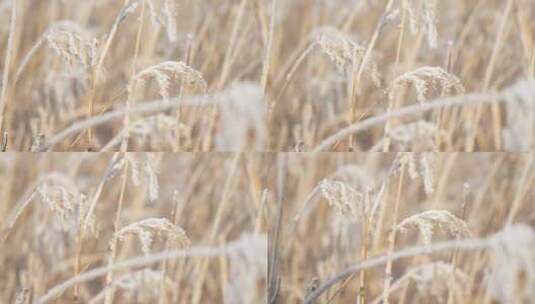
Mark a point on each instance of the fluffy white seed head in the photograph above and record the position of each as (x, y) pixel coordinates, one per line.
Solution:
(519, 132)
(248, 269)
(511, 275)
(242, 114)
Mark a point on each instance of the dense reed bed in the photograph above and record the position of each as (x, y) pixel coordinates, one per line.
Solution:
(133, 228)
(172, 75)
(404, 228)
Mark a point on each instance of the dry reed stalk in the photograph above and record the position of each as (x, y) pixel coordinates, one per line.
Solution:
(522, 189)
(269, 48)
(386, 143)
(225, 70)
(84, 222)
(177, 213)
(455, 255)
(476, 114)
(7, 63)
(110, 292)
(202, 267)
(354, 87)
(392, 237)
(188, 59)
(132, 89)
(128, 8)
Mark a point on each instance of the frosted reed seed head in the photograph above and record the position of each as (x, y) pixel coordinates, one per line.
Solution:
(346, 200)
(418, 165)
(338, 47)
(147, 229)
(60, 95)
(511, 276)
(427, 221)
(23, 296)
(72, 43)
(144, 169)
(248, 269)
(163, 13)
(425, 78)
(126, 10)
(343, 51)
(242, 118)
(423, 17)
(37, 142)
(166, 71)
(69, 207)
(115, 167)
